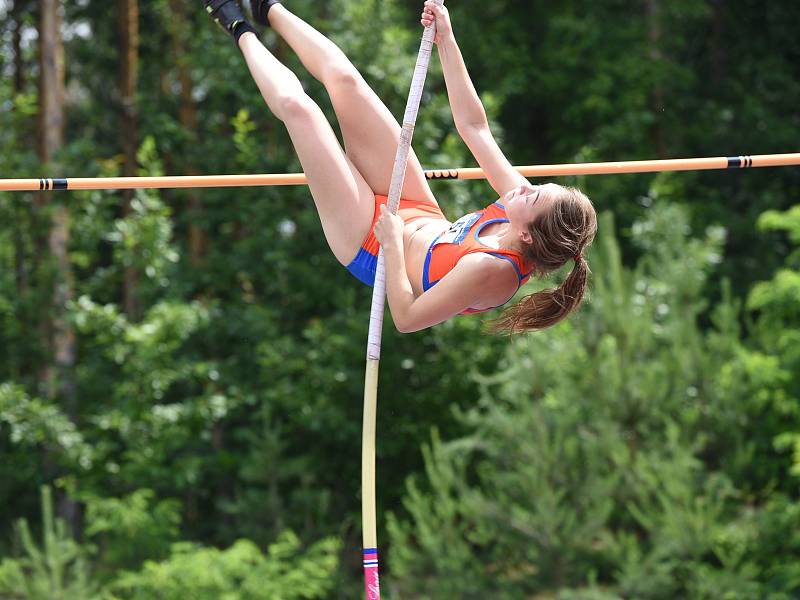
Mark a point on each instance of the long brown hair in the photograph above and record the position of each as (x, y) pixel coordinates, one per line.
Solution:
(559, 236)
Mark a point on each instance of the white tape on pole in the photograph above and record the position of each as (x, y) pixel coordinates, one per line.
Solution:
(396, 185)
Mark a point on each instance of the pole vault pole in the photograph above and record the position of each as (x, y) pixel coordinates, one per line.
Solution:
(368, 508)
(216, 181)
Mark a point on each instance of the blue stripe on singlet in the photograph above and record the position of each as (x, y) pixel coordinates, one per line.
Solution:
(426, 283)
(484, 224)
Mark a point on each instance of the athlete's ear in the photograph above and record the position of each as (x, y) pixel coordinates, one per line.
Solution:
(526, 236)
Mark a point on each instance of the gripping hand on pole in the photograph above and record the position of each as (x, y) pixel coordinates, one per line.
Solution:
(437, 14)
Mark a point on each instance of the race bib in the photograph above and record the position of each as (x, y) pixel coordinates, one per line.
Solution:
(458, 230)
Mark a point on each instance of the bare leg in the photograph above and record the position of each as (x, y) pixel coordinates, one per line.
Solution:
(371, 134)
(343, 198)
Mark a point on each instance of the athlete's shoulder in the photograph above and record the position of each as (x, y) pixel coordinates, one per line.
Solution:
(493, 270)
(496, 277)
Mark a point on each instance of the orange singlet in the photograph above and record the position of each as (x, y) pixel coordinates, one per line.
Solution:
(446, 250)
(463, 238)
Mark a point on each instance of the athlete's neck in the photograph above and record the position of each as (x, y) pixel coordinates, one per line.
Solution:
(508, 238)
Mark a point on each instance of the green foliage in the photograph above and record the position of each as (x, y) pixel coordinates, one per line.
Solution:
(36, 436)
(777, 299)
(58, 569)
(620, 449)
(142, 240)
(239, 573)
(648, 447)
(31, 423)
(131, 529)
(778, 325)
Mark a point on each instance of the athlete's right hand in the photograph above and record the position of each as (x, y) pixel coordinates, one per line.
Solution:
(433, 12)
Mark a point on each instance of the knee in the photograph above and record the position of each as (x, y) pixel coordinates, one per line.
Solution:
(294, 106)
(342, 78)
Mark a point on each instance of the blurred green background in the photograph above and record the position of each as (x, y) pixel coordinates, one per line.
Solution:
(181, 372)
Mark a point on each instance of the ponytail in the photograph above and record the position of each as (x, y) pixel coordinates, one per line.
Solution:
(547, 307)
(558, 235)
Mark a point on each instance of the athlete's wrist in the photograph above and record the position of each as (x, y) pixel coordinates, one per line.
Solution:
(445, 41)
(393, 247)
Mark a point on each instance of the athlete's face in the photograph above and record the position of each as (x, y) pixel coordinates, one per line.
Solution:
(525, 203)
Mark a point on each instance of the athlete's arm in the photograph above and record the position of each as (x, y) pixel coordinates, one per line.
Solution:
(451, 296)
(477, 281)
(468, 112)
(498, 170)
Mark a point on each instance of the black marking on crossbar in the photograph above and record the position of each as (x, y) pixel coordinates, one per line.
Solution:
(47, 184)
(740, 162)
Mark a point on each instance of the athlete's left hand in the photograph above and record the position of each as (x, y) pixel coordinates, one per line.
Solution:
(389, 229)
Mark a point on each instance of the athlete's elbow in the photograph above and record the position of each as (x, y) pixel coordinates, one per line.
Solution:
(410, 327)
(405, 325)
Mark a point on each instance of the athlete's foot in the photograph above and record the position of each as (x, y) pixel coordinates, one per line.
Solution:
(260, 9)
(228, 15)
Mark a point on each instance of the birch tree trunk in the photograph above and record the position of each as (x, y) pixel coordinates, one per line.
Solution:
(51, 137)
(59, 375)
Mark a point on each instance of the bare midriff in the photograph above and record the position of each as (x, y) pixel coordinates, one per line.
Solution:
(418, 235)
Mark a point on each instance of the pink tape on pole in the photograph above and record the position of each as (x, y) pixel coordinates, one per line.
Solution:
(372, 588)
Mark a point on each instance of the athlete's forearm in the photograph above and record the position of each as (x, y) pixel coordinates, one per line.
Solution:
(467, 108)
(398, 287)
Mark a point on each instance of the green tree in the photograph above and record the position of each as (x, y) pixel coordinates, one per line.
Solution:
(613, 454)
(777, 306)
(241, 572)
(234, 394)
(58, 569)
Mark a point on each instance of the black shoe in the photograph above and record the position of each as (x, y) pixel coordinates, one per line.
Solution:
(228, 14)
(260, 9)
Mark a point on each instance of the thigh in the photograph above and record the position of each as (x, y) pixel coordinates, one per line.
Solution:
(371, 136)
(343, 198)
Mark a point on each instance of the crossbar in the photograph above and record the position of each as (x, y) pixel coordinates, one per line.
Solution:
(557, 170)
